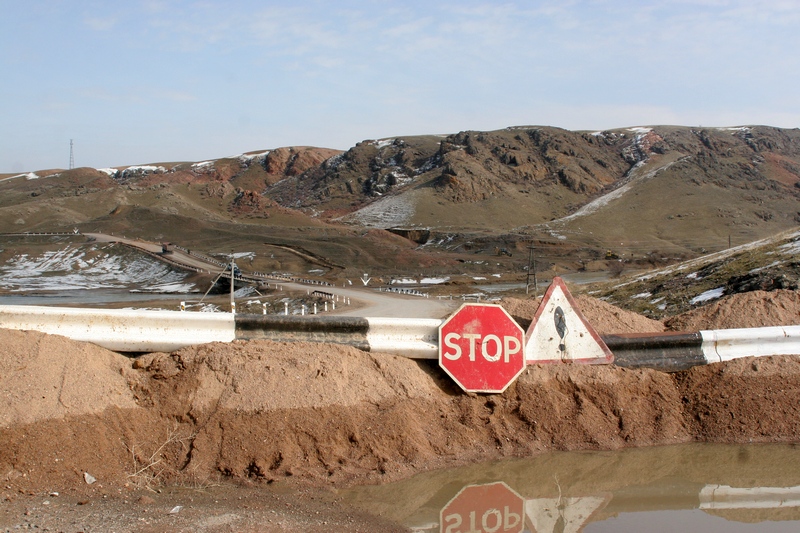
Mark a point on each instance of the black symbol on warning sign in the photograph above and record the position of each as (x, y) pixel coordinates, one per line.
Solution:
(561, 328)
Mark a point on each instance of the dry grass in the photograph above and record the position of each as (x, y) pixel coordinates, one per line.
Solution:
(150, 466)
(671, 290)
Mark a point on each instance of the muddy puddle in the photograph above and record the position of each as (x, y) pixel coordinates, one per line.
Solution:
(713, 488)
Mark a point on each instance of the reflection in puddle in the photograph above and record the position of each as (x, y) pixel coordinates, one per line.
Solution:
(492, 507)
(567, 514)
(687, 487)
(724, 497)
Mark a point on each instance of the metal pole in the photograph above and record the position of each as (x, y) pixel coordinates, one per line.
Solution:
(532, 272)
(233, 266)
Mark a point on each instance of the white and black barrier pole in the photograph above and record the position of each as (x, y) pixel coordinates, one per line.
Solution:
(142, 331)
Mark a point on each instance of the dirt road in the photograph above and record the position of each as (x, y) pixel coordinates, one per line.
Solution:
(368, 302)
(176, 256)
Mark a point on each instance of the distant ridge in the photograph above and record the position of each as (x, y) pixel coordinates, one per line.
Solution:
(641, 195)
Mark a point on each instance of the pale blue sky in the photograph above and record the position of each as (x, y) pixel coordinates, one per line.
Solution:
(148, 81)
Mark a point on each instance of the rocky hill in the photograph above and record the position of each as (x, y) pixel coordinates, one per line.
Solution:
(639, 193)
(584, 200)
(464, 168)
(532, 167)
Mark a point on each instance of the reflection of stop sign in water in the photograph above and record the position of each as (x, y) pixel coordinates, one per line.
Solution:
(492, 508)
(481, 348)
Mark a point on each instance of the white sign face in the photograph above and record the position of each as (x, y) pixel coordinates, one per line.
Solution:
(559, 332)
(544, 514)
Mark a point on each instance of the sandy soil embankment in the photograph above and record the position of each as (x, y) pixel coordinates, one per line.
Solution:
(305, 416)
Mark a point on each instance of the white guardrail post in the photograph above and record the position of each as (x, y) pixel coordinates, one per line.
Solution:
(123, 330)
(126, 330)
(728, 344)
(417, 338)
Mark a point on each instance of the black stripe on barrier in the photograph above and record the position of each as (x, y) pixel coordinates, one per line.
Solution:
(669, 352)
(347, 330)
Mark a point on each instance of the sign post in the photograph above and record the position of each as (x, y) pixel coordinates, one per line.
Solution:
(482, 348)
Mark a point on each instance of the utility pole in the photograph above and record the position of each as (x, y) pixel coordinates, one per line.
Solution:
(531, 272)
(233, 267)
(71, 156)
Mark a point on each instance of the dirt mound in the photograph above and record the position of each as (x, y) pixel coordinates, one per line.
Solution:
(745, 310)
(66, 408)
(265, 410)
(271, 411)
(604, 317)
(754, 400)
(245, 376)
(320, 414)
(51, 377)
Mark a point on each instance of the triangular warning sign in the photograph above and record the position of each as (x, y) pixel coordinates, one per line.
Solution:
(559, 332)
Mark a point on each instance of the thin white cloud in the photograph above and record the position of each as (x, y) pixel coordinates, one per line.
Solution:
(412, 28)
(134, 95)
(295, 31)
(101, 23)
(328, 62)
(349, 70)
(176, 96)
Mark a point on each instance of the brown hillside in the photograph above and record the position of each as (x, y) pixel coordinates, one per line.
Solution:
(745, 310)
(673, 191)
(620, 200)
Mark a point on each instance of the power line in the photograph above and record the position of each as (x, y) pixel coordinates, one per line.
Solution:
(71, 156)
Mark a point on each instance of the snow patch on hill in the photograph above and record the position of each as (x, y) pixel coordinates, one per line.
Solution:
(634, 175)
(81, 267)
(146, 169)
(383, 143)
(734, 130)
(387, 212)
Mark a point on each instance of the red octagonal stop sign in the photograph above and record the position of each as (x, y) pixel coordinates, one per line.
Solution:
(492, 508)
(481, 348)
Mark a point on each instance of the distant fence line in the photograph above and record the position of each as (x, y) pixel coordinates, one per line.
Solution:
(412, 292)
(164, 258)
(312, 282)
(201, 256)
(43, 234)
(323, 294)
